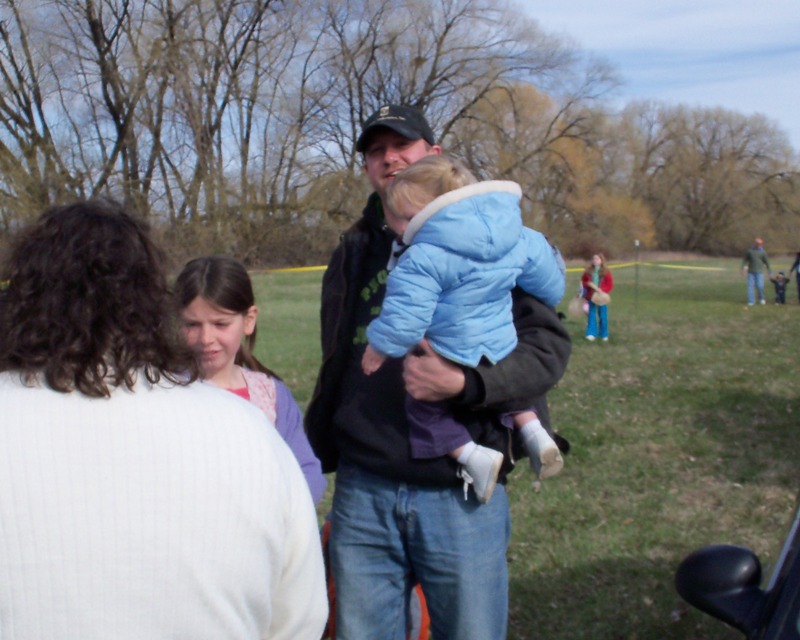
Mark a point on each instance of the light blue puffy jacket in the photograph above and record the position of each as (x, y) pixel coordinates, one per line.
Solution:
(466, 251)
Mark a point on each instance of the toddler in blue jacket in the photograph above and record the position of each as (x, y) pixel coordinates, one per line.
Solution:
(461, 249)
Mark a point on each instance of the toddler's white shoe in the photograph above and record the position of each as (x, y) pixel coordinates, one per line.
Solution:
(543, 452)
(481, 471)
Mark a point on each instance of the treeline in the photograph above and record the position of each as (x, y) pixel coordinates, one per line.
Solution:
(231, 125)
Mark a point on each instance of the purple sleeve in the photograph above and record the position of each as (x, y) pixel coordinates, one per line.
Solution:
(289, 423)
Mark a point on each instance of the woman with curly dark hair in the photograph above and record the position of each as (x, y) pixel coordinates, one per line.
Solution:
(134, 502)
(87, 306)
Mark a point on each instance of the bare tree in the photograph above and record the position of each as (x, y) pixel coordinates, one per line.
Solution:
(442, 56)
(708, 175)
(32, 170)
(115, 47)
(232, 123)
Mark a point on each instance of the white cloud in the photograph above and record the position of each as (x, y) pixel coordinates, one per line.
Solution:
(737, 54)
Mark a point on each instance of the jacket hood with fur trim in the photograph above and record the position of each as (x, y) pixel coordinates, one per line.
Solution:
(481, 221)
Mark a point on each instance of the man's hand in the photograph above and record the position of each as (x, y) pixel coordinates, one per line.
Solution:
(430, 377)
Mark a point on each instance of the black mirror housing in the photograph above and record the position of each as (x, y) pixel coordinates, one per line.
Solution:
(723, 581)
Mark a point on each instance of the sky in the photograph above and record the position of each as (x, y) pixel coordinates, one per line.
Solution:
(742, 55)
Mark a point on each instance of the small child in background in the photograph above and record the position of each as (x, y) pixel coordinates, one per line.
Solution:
(780, 281)
(461, 249)
(218, 312)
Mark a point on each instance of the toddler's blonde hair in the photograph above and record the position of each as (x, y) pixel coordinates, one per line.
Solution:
(427, 179)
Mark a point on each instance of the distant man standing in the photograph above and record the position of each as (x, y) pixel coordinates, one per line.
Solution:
(754, 263)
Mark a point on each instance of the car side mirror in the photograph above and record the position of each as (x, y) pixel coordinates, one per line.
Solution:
(723, 581)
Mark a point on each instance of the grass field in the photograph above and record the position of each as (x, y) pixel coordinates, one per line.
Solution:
(684, 433)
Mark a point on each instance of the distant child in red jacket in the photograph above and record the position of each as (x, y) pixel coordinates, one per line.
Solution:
(597, 277)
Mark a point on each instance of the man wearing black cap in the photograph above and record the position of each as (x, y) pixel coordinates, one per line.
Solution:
(396, 520)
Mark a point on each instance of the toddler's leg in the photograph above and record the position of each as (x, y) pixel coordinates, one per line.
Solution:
(434, 432)
(543, 452)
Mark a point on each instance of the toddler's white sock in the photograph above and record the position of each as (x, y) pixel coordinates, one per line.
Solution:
(531, 428)
(466, 452)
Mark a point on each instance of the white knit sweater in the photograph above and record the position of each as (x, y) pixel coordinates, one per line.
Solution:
(166, 513)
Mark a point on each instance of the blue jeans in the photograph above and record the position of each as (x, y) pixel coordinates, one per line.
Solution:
(755, 281)
(597, 314)
(387, 535)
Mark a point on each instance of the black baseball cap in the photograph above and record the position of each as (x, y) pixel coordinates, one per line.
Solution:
(407, 121)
